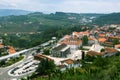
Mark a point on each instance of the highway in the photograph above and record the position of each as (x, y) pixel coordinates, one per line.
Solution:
(27, 53)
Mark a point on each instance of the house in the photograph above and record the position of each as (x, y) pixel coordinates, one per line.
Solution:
(69, 63)
(108, 43)
(75, 45)
(60, 50)
(109, 51)
(76, 34)
(102, 40)
(81, 34)
(94, 53)
(85, 33)
(96, 50)
(117, 46)
(73, 42)
(102, 35)
(118, 28)
(114, 37)
(11, 50)
(91, 40)
(113, 26)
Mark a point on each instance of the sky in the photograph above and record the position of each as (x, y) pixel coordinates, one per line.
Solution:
(74, 6)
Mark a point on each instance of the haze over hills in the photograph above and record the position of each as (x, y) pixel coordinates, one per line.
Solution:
(26, 21)
(39, 21)
(7, 12)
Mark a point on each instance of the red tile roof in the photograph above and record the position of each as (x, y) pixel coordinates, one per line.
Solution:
(102, 39)
(117, 46)
(110, 50)
(11, 50)
(67, 36)
(68, 61)
(102, 35)
(93, 53)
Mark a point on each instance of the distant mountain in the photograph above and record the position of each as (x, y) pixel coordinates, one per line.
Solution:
(7, 12)
(113, 18)
(39, 21)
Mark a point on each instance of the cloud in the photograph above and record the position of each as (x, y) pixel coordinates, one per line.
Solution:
(79, 6)
(90, 6)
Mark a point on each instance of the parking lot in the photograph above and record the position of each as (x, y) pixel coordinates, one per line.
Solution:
(24, 68)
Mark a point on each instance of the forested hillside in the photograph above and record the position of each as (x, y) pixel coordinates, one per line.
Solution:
(113, 18)
(38, 21)
(44, 26)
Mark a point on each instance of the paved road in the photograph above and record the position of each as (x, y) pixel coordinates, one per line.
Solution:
(4, 71)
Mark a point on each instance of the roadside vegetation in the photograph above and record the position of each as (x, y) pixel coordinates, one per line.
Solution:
(5, 63)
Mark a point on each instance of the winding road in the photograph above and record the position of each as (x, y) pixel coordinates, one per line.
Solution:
(4, 71)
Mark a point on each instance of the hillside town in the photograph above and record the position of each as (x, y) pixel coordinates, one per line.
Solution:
(101, 41)
(65, 52)
(60, 40)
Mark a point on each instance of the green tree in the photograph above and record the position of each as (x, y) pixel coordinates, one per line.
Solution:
(2, 63)
(46, 67)
(46, 51)
(85, 40)
(38, 50)
(100, 61)
(115, 41)
(102, 50)
(89, 58)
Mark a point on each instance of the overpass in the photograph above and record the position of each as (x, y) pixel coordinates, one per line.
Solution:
(14, 55)
(23, 51)
(18, 53)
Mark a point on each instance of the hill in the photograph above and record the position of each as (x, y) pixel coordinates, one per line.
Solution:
(39, 22)
(7, 12)
(20, 27)
(113, 18)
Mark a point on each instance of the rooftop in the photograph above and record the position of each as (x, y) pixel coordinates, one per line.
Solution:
(59, 47)
(40, 56)
(94, 53)
(68, 61)
(117, 46)
(11, 50)
(96, 48)
(102, 35)
(71, 42)
(102, 39)
(110, 50)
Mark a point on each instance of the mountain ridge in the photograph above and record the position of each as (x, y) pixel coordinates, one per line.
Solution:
(8, 12)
